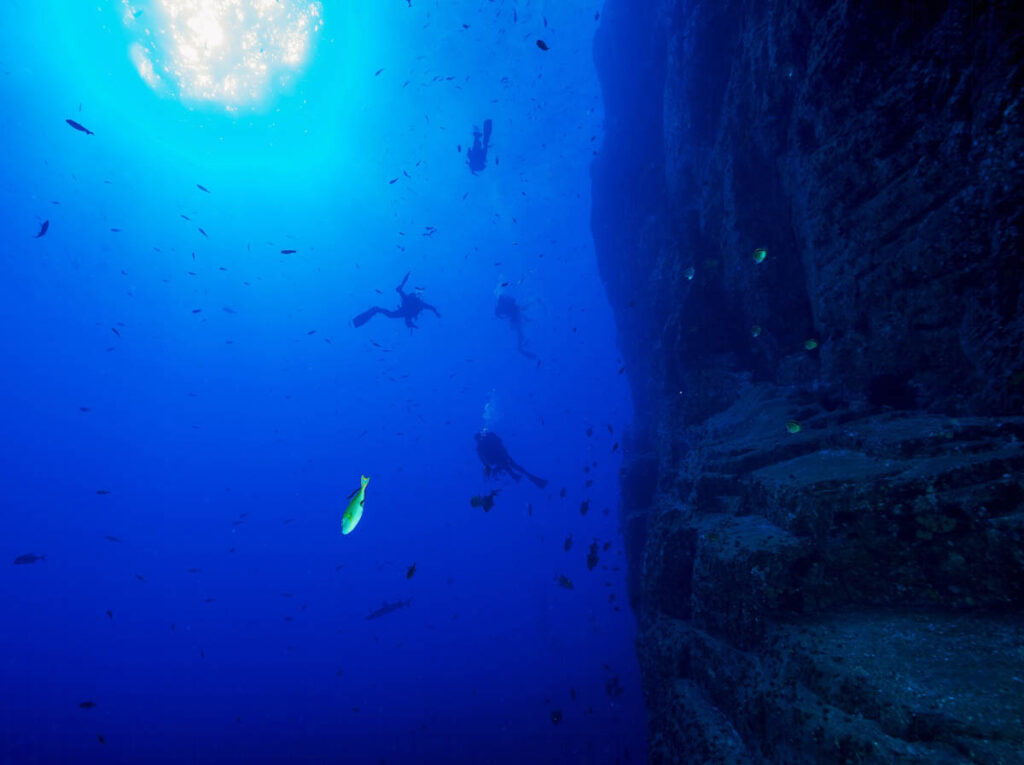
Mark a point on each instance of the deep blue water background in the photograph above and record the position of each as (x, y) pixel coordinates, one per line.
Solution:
(229, 440)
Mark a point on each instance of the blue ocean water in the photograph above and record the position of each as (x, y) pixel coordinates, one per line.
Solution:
(188, 406)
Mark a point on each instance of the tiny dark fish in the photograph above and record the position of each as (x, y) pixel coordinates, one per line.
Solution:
(202, 188)
(102, 491)
(613, 687)
(87, 704)
(377, 73)
(584, 507)
(411, 571)
(564, 582)
(615, 446)
(194, 570)
(84, 409)
(567, 544)
(287, 252)
(590, 432)
(486, 501)
(99, 737)
(79, 127)
(387, 608)
(42, 229)
(542, 45)
(311, 332)
(556, 716)
(110, 538)
(606, 546)
(110, 614)
(186, 217)
(203, 232)
(27, 558)
(561, 493)
(114, 330)
(592, 556)
(140, 577)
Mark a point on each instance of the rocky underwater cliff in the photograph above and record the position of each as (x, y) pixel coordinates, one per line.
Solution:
(808, 219)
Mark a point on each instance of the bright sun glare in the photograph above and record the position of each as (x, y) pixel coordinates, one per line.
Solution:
(232, 52)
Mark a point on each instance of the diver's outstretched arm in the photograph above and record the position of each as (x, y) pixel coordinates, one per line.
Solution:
(399, 288)
(428, 307)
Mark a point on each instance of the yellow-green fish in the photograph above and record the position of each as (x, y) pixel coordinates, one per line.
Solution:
(354, 511)
(810, 344)
(755, 331)
(760, 254)
(793, 426)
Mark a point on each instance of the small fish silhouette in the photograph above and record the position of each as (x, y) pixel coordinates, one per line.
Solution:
(79, 128)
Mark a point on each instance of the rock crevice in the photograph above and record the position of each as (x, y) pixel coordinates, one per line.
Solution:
(817, 284)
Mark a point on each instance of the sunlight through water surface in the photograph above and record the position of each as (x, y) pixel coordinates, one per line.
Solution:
(230, 52)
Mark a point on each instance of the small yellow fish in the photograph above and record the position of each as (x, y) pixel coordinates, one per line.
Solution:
(760, 254)
(793, 426)
(810, 344)
(354, 511)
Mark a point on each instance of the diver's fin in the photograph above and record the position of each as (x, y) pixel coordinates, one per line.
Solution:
(365, 316)
(540, 483)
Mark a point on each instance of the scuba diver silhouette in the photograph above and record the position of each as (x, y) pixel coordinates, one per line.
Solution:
(496, 459)
(411, 307)
(508, 308)
(476, 156)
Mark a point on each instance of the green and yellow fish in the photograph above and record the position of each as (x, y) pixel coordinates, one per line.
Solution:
(354, 511)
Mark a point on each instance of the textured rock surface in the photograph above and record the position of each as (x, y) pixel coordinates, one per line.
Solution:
(827, 594)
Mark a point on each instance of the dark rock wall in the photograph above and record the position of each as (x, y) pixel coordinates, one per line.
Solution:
(823, 493)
